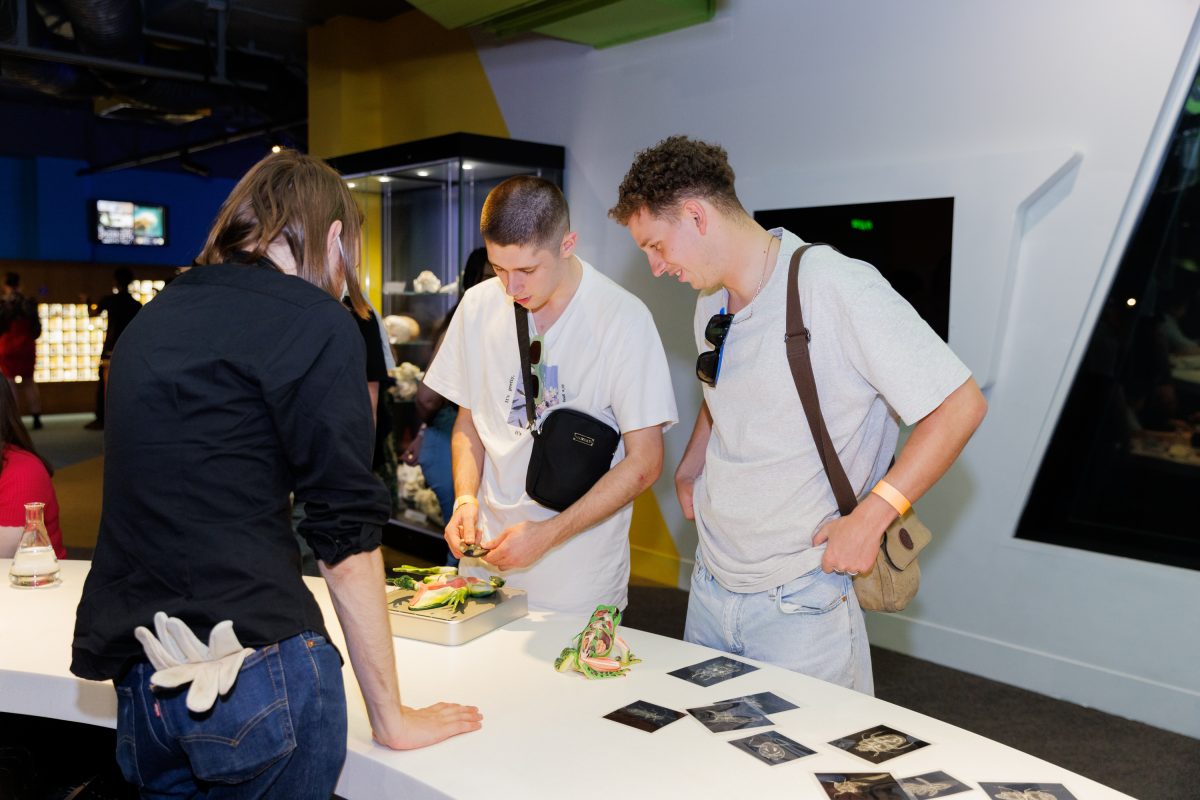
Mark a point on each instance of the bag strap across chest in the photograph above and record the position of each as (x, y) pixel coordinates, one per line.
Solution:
(522, 317)
(800, 361)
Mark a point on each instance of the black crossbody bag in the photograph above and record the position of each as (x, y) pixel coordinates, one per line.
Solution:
(571, 451)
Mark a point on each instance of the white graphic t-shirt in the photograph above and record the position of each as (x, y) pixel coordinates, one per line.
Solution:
(602, 357)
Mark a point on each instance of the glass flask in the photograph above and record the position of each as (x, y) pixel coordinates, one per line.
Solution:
(34, 564)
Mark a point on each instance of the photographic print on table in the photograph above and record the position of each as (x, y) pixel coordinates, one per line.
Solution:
(713, 671)
(644, 716)
(932, 784)
(879, 744)
(722, 717)
(772, 747)
(1027, 791)
(860, 786)
(765, 702)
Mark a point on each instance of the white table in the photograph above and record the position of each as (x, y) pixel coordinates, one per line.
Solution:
(544, 734)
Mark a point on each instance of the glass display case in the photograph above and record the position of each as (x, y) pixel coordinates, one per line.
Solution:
(422, 202)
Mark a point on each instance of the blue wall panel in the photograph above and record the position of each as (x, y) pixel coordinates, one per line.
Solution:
(46, 216)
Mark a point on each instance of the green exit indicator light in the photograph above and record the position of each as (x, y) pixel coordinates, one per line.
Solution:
(862, 224)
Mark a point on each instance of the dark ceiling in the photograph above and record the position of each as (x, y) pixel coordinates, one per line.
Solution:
(209, 84)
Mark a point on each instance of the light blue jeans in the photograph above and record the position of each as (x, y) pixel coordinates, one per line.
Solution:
(279, 733)
(812, 625)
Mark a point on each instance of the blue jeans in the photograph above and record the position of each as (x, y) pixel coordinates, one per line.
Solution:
(812, 625)
(280, 732)
(435, 458)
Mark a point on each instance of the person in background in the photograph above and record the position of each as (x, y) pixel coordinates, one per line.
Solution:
(24, 478)
(243, 382)
(774, 567)
(121, 308)
(20, 328)
(378, 377)
(599, 354)
(435, 412)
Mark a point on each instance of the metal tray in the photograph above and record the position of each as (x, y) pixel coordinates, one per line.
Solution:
(444, 626)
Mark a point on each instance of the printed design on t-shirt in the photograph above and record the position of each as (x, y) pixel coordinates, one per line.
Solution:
(552, 394)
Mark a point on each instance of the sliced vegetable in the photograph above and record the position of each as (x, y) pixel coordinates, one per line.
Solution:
(597, 651)
(404, 582)
(411, 570)
(453, 594)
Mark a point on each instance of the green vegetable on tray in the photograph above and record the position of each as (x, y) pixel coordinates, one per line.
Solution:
(443, 587)
(411, 570)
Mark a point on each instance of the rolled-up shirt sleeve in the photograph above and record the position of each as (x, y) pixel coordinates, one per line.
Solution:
(316, 390)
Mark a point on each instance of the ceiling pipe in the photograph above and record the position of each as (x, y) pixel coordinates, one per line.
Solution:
(174, 152)
(108, 64)
(247, 50)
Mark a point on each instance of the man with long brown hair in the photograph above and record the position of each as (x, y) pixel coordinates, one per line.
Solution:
(241, 383)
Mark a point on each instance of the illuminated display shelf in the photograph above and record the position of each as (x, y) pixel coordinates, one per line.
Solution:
(69, 347)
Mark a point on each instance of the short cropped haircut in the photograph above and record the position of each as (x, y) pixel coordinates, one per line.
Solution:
(672, 171)
(295, 198)
(123, 276)
(525, 210)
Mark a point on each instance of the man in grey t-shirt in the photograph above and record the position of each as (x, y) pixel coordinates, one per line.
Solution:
(773, 577)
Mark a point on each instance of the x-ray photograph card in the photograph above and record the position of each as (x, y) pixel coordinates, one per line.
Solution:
(932, 784)
(860, 786)
(644, 716)
(1027, 791)
(723, 717)
(713, 671)
(765, 702)
(879, 744)
(772, 747)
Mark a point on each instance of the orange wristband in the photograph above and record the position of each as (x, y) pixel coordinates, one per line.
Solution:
(893, 497)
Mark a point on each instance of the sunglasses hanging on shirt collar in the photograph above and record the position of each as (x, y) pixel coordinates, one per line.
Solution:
(708, 364)
(537, 346)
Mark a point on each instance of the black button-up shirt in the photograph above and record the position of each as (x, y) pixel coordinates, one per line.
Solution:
(235, 387)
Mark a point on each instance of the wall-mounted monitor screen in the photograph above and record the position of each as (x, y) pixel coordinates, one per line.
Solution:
(908, 241)
(127, 222)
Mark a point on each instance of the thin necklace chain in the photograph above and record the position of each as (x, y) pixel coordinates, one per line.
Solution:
(761, 278)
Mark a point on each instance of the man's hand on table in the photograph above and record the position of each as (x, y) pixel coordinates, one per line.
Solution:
(420, 727)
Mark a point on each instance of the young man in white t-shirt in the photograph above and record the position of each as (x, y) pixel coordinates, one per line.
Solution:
(599, 353)
(775, 559)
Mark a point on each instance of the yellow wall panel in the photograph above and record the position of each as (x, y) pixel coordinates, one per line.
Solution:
(653, 555)
(371, 266)
(373, 84)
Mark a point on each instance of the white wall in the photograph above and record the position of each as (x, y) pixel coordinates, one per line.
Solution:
(824, 101)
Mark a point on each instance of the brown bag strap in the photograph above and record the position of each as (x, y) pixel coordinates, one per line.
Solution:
(797, 339)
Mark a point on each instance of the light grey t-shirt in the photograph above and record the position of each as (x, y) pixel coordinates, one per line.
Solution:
(763, 492)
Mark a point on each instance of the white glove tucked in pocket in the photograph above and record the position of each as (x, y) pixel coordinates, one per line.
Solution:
(180, 658)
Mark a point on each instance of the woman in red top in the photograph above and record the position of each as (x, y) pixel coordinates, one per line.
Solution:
(24, 478)
(19, 331)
